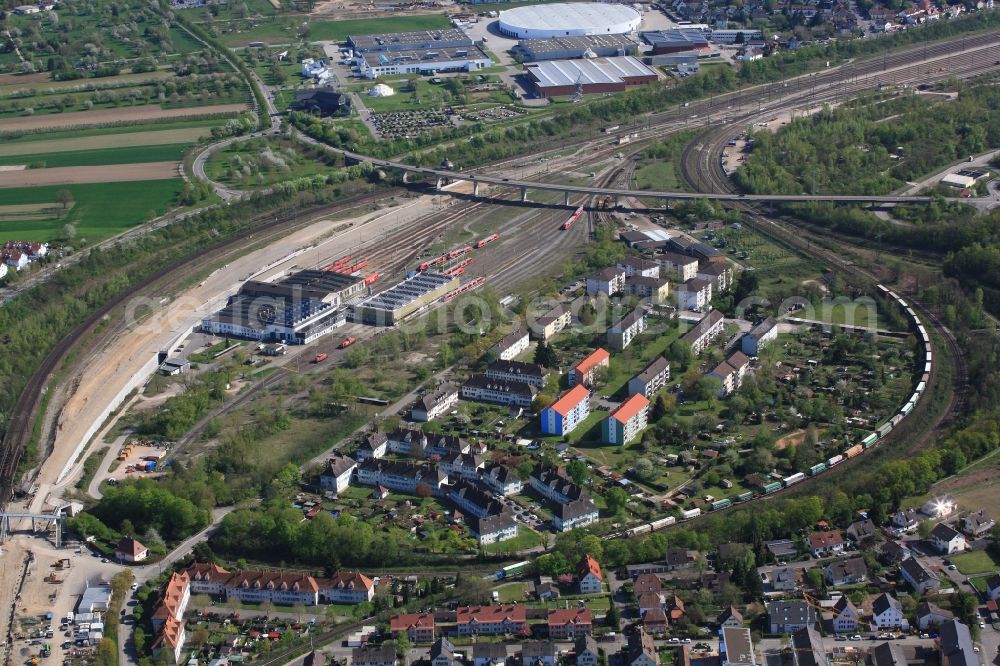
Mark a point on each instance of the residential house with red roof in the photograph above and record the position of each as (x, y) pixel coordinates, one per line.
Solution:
(419, 627)
(491, 620)
(570, 622)
(822, 544)
(590, 578)
(347, 587)
(168, 616)
(277, 587)
(130, 550)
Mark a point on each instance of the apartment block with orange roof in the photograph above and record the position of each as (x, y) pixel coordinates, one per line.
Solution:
(566, 413)
(627, 421)
(584, 371)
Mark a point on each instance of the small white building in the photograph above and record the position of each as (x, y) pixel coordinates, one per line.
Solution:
(947, 539)
(381, 90)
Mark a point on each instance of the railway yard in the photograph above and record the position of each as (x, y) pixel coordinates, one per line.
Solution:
(541, 227)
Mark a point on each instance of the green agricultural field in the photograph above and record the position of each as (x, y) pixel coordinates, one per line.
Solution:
(281, 31)
(53, 135)
(135, 154)
(101, 209)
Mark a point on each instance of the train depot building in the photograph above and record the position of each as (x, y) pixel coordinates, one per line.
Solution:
(553, 78)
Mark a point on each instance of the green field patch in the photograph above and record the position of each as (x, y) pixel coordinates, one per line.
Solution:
(152, 127)
(658, 176)
(101, 210)
(285, 30)
(261, 162)
(106, 141)
(132, 155)
(82, 84)
(37, 211)
(978, 562)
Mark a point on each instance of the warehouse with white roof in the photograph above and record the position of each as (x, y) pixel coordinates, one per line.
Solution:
(595, 75)
(568, 19)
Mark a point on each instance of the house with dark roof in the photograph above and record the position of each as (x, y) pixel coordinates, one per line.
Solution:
(489, 654)
(914, 573)
(538, 653)
(701, 334)
(501, 479)
(730, 617)
(652, 379)
(384, 655)
(737, 647)
(977, 523)
(640, 650)
(860, 531)
(807, 648)
(434, 404)
(947, 539)
(956, 646)
(846, 571)
(517, 371)
(587, 651)
(608, 281)
(786, 617)
(494, 528)
(680, 558)
(373, 446)
(625, 330)
(887, 654)
(759, 337)
(887, 613)
(509, 346)
(845, 616)
(578, 513)
(930, 615)
(322, 102)
(481, 388)
(336, 476)
(892, 552)
(443, 653)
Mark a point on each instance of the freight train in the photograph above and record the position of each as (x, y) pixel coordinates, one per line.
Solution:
(869, 441)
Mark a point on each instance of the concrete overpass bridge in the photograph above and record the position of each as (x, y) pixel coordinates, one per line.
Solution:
(445, 176)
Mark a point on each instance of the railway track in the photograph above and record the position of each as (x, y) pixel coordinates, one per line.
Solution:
(23, 418)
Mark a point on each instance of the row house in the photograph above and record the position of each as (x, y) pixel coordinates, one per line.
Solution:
(706, 330)
(730, 373)
(418, 627)
(554, 485)
(568, 623)
(510, 346)
(652, 379)
(471, 499)
(607, 281)
(680, 267)
(443, 653)
(655, 290)
(481, 388)
(574, 514)
(346, 587)
(539, 653)
(489, 654)
(502, 479)
(497, 620)
(435, 404)
(517, 371)
(445, 445)
(584, 372)
(462, 466)
(587, 652)
(286, 589)
(565, 414)
(627, 420)
(336, 476)
(719, 273)
(639, 267)
(624, 331)
(402, 477)
(495, 528)
(552, 323)
(173, 600)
